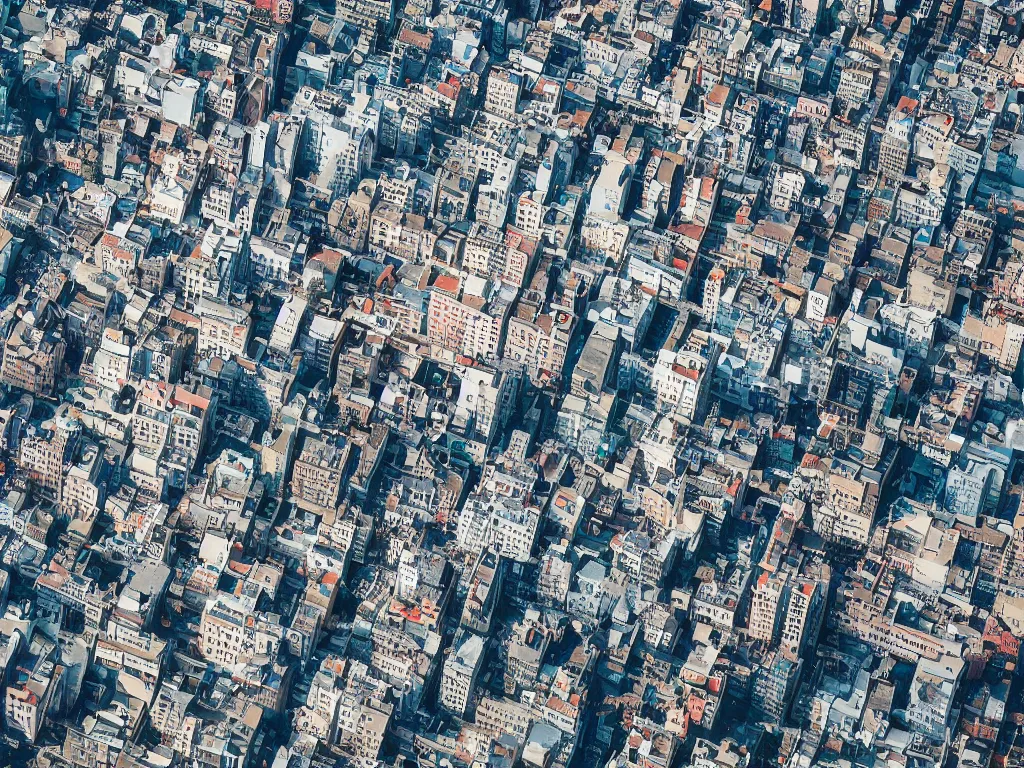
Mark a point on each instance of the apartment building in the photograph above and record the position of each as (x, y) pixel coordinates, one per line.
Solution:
(317, 473)
(506, 525)
(765, 596)
(502, 95)
(803, 615)
(289, 321)
(504, 716)
(460, 671)
(321, 341)
(120, 250)
(775, 682)
(856, 84)
(223, 328)
(847, 513)
(466, 314)
(393, 230)
(492, 253)
(173, 417)
(932, 690)
(45, 455)
(231, 631)
(541, 342)
(530, 210)
(124, 648)
(84, 489)
(33, 358)
(680, 382)
(222, 630)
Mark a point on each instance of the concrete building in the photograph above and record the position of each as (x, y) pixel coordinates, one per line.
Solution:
(502, 95)
(317, 473)
(461, 668)
(468, 315)
(931, 696)
(33, 358)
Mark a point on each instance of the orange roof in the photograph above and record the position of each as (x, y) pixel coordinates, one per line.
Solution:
(385, 275)
(447, 283)
(692, 231)
(180, 316)
(718, 95)
(329, 258)
(182, 395)
(689, 373)
(707, 187)
(906, 104)
(417, 39)
(448, 90)
(581, 117)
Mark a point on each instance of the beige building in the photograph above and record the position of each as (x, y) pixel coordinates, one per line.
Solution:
(222, 628)
(1001, 342)
(172, 418)
(848, 510)
(765, 596)
(541, 343)
(530, 211)
(223, 328)
(316, 476)
(83, 492)
(802, 606)
(232, 632)
(13, 151)
(24, 707)
(856, 84)
(33, 359)
(492, 253)
(497, 717)
(502, 95)
(44, 456)
(394, 231)
(466, 315)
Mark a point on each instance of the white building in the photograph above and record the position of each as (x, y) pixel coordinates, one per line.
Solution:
(967, 489)
(341, 149)
(910, 326)
(112, 360)
(178, 100)
(506, 525)
(931, 696)
(222, 629)
(678, 382)
(712, 295)
(458, 678)
(286, 328)
(611, 188)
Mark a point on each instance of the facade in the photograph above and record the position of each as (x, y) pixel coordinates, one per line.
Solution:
(459, 675)
(317, 473)
(33, 360)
